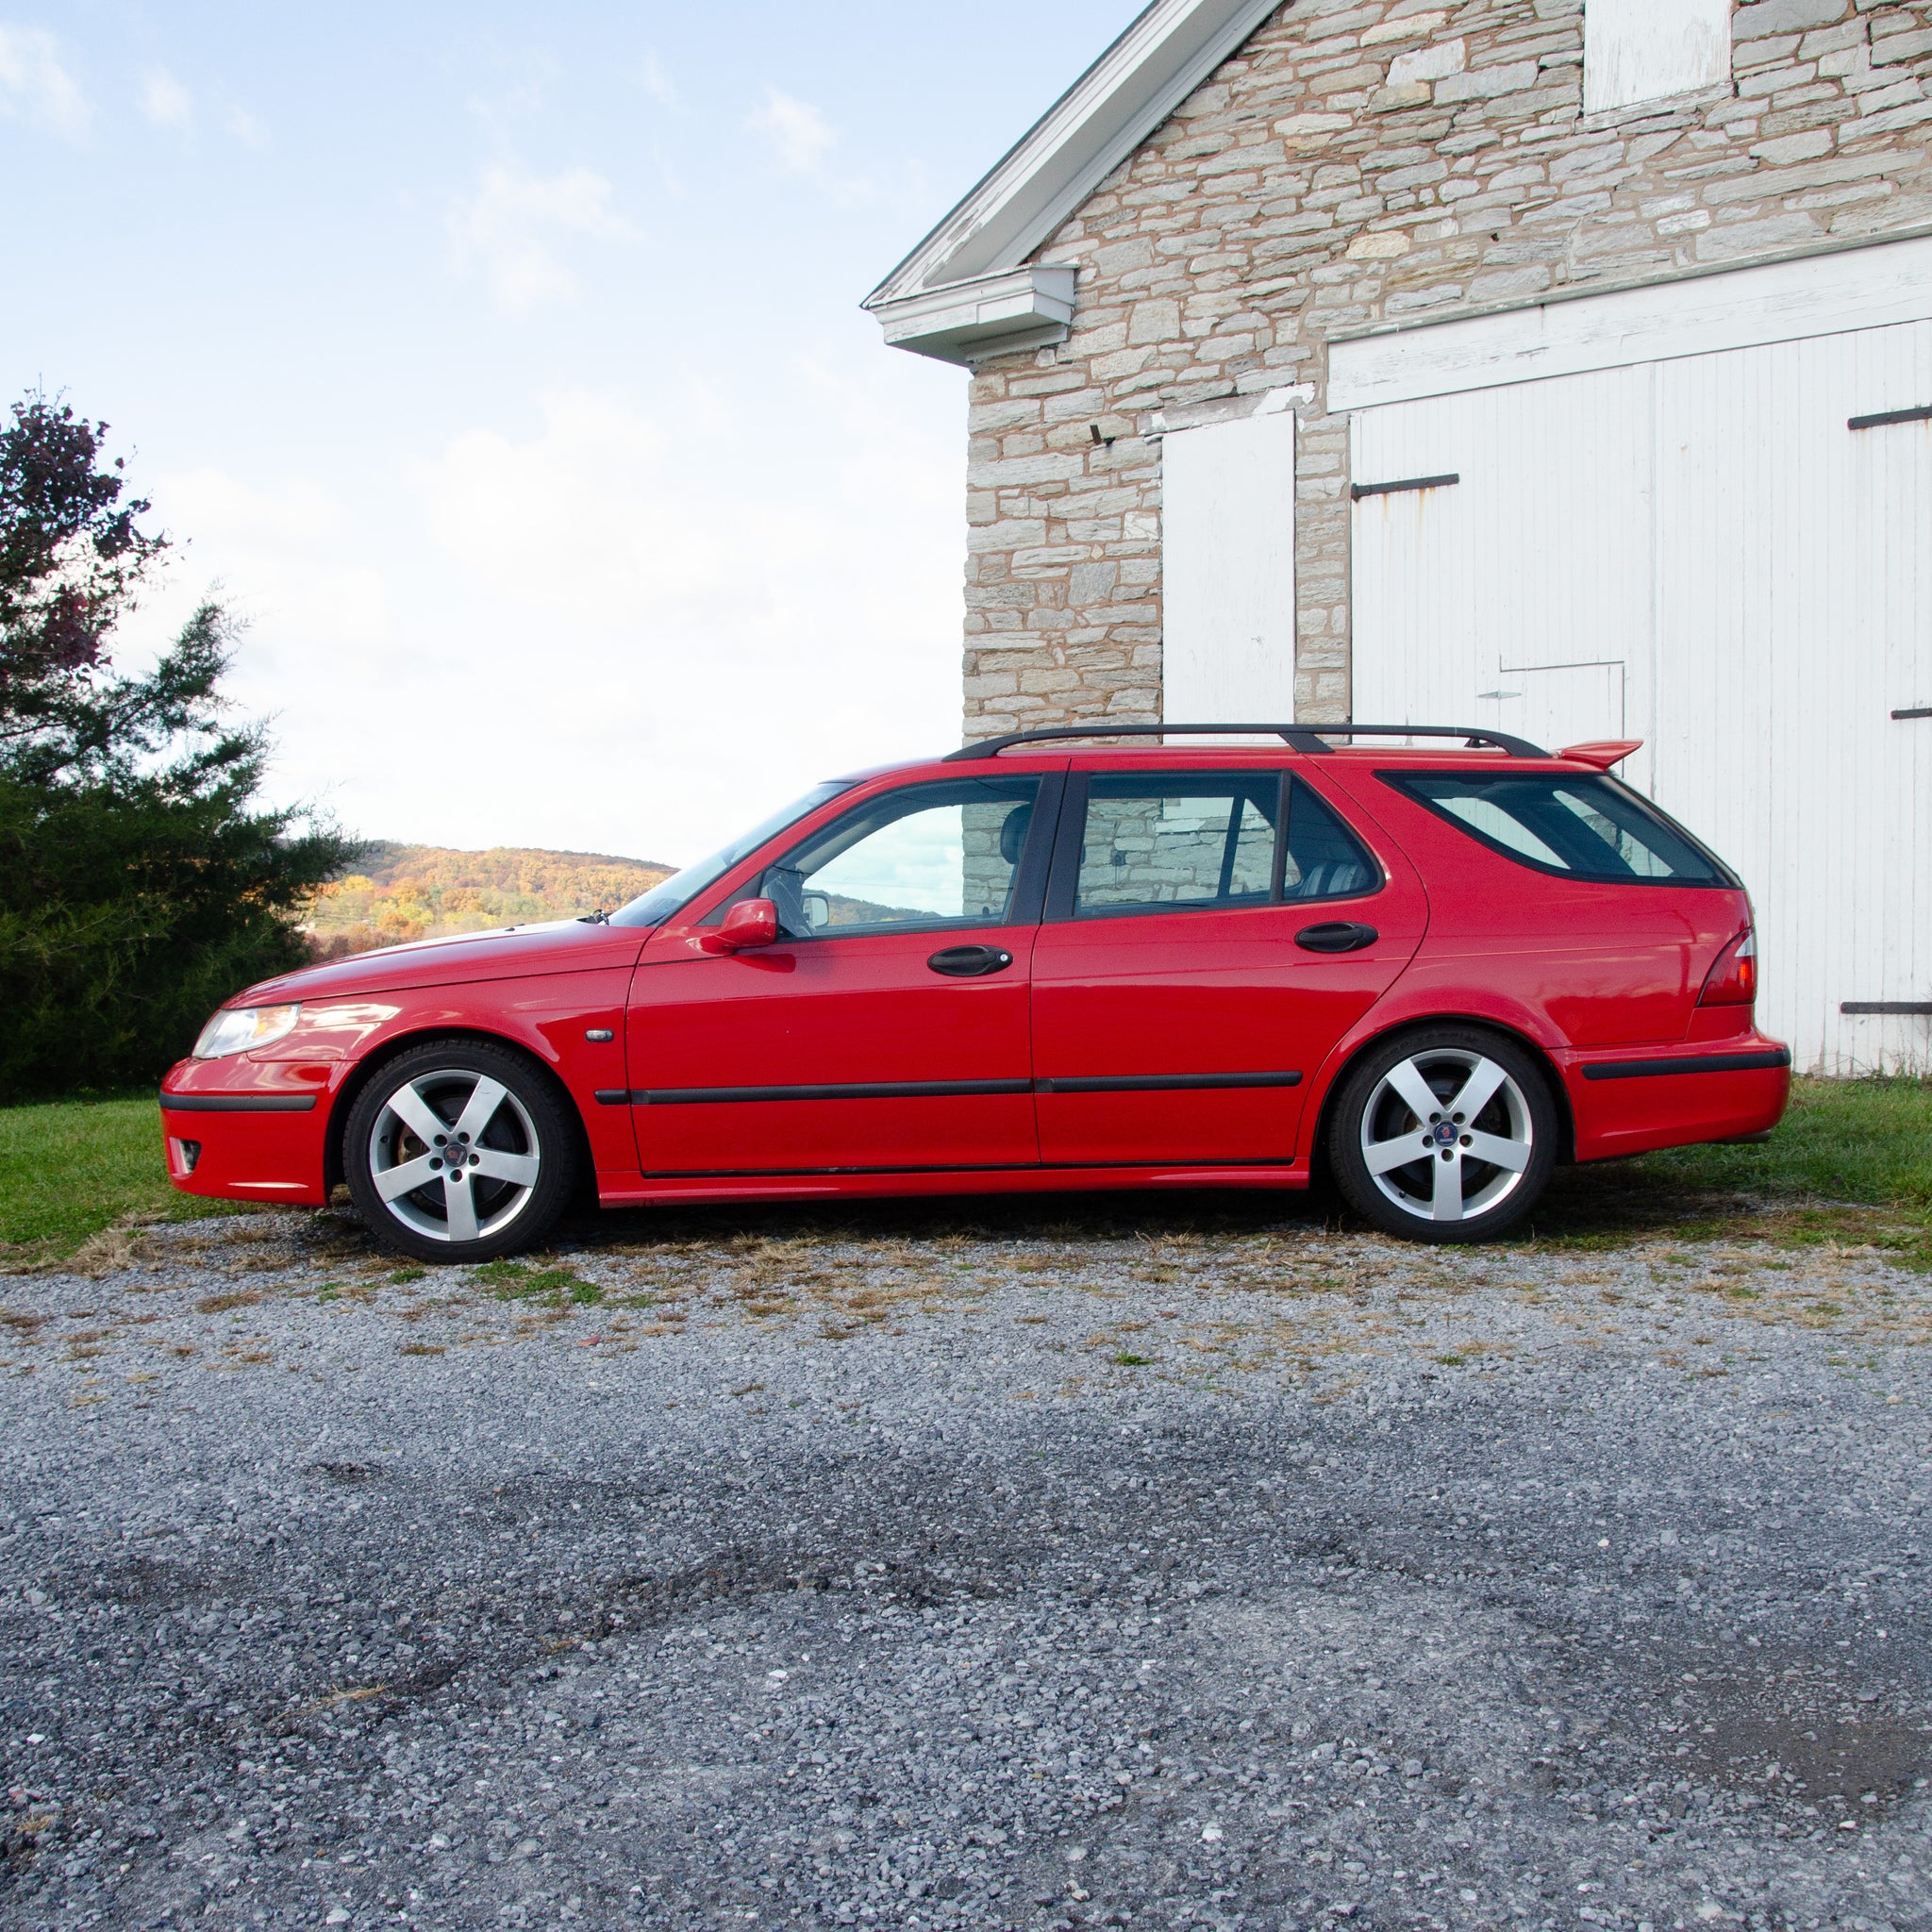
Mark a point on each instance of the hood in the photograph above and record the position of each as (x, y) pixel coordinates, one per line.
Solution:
(564, 945)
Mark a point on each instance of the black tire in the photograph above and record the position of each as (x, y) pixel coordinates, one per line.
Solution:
(524, 1136)
(1374, 1118)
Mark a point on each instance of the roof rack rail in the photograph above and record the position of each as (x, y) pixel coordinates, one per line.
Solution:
(1301, 738)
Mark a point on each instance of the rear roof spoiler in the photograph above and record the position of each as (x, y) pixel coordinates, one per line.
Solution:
(1602, 753)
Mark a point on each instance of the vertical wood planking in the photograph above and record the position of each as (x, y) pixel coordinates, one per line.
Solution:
(1227, 509)
(1764, 576)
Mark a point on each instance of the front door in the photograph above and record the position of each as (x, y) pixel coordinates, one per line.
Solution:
(1211, 935)
(888, 1027)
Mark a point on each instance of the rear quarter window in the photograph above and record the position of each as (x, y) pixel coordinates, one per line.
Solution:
(1570, 825)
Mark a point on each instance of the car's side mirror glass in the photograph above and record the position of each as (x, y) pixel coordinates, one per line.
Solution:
(750, 923)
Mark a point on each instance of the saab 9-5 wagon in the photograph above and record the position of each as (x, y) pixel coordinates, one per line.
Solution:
(1433, 969)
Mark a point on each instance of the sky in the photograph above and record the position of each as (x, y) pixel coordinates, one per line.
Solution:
(501, 366)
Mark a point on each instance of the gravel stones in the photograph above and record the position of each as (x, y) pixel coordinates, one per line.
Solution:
(898, 1572)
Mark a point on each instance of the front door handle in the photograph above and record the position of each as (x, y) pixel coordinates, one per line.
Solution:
(1336, 936)
(970, 962)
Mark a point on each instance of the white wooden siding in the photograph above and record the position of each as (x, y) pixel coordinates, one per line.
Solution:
(1689, 315)
(1228, 571)
(1649, 50)
(1763, 577)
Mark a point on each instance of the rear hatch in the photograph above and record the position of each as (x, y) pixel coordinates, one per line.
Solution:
(1568, 888)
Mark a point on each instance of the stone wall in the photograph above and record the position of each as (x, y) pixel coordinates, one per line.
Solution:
(1361, 161)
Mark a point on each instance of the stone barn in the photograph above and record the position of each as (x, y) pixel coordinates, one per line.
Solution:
(1562, 366)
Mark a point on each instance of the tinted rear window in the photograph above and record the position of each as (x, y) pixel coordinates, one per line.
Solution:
(1572, 825)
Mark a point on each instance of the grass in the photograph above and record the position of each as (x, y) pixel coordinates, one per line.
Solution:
(1852, 1160)
(1868, 1142)
(72, 1168)
(552, 1288)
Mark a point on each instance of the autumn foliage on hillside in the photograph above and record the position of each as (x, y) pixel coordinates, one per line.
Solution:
(422, 891)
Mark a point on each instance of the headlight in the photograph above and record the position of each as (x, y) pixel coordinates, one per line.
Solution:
(236, 1029)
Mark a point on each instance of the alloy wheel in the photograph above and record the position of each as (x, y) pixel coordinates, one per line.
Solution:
(454, 1155)
(1447, 1135)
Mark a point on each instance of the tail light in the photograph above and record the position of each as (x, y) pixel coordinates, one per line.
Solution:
(1732, 980)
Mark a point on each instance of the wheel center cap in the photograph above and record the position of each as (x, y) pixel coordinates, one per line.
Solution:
(1445, 1133)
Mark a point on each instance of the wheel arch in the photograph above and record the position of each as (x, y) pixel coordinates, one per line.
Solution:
(1337, 1077)
(335, 1174)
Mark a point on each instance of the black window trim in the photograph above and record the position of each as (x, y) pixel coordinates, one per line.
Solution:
(1726, 881)
(1029, 884)
(1063, 883)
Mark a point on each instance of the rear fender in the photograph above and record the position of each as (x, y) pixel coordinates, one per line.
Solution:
(1527, 1029)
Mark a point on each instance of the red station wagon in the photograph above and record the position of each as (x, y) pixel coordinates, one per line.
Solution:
(1030, 965)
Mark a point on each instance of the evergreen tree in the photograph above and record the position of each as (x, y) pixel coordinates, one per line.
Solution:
(140, 881)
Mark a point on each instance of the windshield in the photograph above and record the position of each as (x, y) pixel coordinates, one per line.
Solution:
(655, 906)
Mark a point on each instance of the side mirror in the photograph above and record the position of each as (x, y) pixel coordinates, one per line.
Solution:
(750, 923)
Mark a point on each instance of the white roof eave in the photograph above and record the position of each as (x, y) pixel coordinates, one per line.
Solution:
(1168, 50)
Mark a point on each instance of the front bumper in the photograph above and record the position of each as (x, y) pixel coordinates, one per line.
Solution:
(243, 1130)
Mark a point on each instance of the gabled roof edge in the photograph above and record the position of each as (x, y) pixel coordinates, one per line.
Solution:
(1166, 52)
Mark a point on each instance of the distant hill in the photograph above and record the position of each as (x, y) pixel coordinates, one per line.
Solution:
(422, 891)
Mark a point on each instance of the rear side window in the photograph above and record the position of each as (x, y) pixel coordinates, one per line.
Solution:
(1575, 826)
(1211, 841)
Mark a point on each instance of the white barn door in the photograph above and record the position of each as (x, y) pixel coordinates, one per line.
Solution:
(1550, 644)
(1702, 553)
(1228, 571)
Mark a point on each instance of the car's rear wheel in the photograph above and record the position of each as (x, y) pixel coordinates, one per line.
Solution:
(1444, 1133)
(460, 1151)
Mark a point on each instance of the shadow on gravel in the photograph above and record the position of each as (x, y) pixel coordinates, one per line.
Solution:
(1609, 1205)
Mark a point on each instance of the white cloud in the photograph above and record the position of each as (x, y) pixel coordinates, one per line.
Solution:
(657, 82)
(650, 582)
(35, 87)
(246, 128)
(800, 134)
(165, 100)
(510, 224)
(627, 626)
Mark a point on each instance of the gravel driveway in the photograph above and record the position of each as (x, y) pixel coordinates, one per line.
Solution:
(1188, 1567)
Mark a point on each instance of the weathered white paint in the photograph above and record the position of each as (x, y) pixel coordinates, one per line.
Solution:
(1165, 52)
(1018, 309)
(1228, 571)
(1787, 301)
(1762, 575)
(1650, 50)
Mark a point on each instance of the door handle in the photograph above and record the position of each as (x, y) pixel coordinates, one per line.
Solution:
(1336, 936)
(970, 962)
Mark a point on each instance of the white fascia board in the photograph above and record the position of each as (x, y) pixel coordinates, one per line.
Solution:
(1826, 293)
(1024, 308)
(1168, 50)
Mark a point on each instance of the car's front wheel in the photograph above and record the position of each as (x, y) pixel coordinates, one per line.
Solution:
(460, 1151)
(1444, 1133)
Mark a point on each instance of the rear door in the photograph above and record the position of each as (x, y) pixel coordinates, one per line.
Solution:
(887, 1031)
(1211, 934)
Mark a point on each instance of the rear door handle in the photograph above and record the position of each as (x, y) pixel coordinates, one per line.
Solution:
(970, 962)
(1336, 936)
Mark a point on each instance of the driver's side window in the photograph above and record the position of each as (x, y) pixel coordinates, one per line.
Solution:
(927, 855)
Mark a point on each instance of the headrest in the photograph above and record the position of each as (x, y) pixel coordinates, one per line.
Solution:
(1013, 832)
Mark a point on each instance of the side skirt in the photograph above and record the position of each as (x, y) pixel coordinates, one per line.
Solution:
(639, 1191)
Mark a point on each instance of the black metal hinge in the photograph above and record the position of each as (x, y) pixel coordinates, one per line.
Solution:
(1889, 417)
(1911, 1006)
(1358, 490)
(1914, 711)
